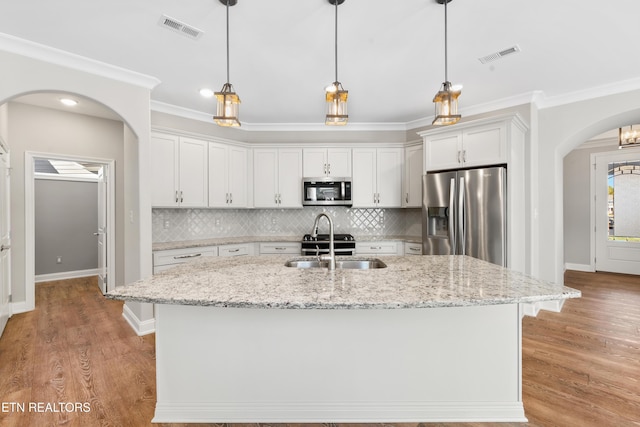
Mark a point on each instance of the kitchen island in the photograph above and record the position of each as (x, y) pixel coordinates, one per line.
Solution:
(430, 338)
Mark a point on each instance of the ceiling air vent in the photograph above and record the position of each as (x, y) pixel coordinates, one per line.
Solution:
(501, 54)
(180, 27)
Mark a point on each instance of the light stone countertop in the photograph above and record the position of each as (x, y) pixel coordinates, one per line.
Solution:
(407, 282)
(163, 246)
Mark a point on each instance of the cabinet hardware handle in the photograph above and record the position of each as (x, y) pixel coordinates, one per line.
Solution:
(407, 198)
(231, 198)
(280, 249)
(177, 198)
(5, 248)
(187, 256)
(459, 152)
(376, 248)
(275, 198)
(414, 249)
(329, 168)
(234, 250)
(464, 156)
(181, 198)
(226, 197)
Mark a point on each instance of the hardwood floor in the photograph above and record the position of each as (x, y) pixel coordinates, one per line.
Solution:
(76, 354)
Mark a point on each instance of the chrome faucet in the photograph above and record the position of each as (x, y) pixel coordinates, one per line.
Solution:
(314, 233)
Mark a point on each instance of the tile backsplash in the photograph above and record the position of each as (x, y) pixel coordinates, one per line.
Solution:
(172, 225)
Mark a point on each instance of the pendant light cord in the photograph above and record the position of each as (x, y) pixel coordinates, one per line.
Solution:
(336, 40)
(446, 78)
(228, 1)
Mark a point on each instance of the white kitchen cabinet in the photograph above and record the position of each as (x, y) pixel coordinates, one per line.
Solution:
(164, 260)
(178, 171)
(386, 247)
(227, 176)
(466, 147)
(412, 180)
(412, 248)
(277, 174)
(377, 177)
(235, 249)
(320, 162)
(272, 248)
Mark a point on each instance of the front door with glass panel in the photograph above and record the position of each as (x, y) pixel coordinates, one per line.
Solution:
(617, 211)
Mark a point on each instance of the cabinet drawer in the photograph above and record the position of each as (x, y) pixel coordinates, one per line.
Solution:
(280, 248)
(380, 248)
(235, 250)
(412, 248)
(163, 260)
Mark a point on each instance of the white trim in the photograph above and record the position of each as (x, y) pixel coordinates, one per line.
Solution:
(340, 412)
(580, 267)
(63, 275)
(63, 58)
(141, 327)
(19, 307)
(29, 218)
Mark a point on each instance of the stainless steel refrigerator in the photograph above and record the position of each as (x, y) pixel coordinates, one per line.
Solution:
(464, 213)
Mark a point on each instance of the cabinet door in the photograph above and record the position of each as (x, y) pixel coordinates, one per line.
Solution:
(218, 176)
(164, 170)
(389, 177)
(265, 178)
(413, 171)
(484, 146)
(315, 162)
(237, 177)
(364, 178)
(290, 178)
(193, 173)
(339, 162)
(443, 151)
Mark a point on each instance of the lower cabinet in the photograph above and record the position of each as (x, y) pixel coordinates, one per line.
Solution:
(271, 248)
(236, 250)
(385, 247)
(164, 260)
(412, 248)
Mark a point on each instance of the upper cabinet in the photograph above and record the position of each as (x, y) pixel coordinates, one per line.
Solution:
(178, 171)
(228, 186)
(320, 162)
(377, 177)
(277, 174)
(466, 147)
(412, 180)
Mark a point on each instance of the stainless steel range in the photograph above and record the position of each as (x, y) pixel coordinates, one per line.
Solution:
(345, 244)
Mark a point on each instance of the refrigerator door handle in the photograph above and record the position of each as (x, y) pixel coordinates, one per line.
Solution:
(452, 216)
(460, 213)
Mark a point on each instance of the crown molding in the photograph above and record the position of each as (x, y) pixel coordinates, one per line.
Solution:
(590, 93)
(16, 45)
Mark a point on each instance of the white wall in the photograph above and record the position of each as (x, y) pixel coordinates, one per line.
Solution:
(22, 74)
(561, 129)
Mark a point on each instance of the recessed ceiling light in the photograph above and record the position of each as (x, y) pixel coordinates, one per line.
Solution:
(69, 102)
(207, 93)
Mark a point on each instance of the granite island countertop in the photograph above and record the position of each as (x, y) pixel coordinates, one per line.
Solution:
(406, 282)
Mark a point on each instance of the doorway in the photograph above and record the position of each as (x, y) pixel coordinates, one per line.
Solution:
(75, 169)
(616, 197)
(5, 238)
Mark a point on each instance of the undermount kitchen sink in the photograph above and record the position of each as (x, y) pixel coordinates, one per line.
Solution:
(355, 264)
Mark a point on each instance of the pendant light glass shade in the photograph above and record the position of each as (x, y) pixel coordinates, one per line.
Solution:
(446, 102)
(628, 138)
(336, 96)
(336, 105)
(228, 107)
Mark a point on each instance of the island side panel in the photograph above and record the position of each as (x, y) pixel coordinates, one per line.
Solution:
(274, 365)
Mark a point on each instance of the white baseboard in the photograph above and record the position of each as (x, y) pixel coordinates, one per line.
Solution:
(66, 275)
(140, 327)
(579, 267)
(19, 307)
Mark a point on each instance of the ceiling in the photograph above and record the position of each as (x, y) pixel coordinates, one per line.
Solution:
(391, 53)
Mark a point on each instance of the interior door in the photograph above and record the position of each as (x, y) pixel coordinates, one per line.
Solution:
(617, 223)
(5, 241)
(102, 230)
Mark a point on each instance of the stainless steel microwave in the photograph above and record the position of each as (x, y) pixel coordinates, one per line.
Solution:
(326, 191)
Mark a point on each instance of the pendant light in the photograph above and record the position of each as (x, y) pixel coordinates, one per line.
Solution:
(629, 138)
(446, 100)
(228, 104)
(336, 96)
